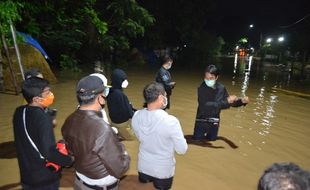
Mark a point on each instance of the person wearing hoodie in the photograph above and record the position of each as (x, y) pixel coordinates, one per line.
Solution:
(160, 135)
(120, 109)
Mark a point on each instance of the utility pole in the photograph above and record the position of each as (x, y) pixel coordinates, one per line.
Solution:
(17, 50)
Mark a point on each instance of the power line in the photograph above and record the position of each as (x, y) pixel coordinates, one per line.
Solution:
(298, 21)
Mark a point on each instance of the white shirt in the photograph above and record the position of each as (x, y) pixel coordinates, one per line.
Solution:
(160, 135)
(108, 180)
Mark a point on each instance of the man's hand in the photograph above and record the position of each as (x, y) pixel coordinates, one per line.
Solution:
(245, 100)
(231, 99)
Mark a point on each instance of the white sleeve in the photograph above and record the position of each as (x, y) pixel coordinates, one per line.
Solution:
(104, 116)
(177, 136)
(134, 124)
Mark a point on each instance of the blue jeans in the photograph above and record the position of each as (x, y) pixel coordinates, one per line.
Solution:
(53, 186)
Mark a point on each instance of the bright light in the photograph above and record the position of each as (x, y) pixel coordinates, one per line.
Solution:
(237, 47)
(185, 45)
(252, 48)
(251, 25)
(236, 60)
(281, 39)
(269, 40)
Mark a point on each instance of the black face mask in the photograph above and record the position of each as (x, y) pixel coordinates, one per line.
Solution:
(102, 105)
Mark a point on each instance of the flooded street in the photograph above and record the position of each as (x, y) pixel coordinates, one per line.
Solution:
(274, 127)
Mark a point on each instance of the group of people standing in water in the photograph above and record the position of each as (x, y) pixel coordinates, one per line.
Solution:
(93, 145)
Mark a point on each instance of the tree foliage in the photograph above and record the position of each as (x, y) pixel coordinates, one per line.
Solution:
(9, 13)
(187, 25)
(83, 30)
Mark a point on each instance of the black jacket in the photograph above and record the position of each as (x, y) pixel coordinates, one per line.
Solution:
(40, 129)
(120, 109)
(163, 76)
(212, 100)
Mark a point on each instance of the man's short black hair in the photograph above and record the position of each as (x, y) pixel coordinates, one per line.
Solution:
(284, 176)
(34, 72)
(166, 59)
(152, 91)
(212, 69)
(33, 87)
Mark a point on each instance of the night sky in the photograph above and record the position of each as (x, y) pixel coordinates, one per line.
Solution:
(231, 18)
(267, 16)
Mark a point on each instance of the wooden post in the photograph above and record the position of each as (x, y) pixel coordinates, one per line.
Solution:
(10, 63)
(17, 51)
(1, 72)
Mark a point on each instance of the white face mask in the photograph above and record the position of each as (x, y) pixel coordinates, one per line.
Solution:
(210, 83)
(169, 66)
(125, 84)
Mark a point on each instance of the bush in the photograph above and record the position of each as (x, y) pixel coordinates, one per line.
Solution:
(69, 63)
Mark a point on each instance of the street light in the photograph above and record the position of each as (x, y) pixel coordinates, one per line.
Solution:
(269, 40)
(281, 39)
(251, 25)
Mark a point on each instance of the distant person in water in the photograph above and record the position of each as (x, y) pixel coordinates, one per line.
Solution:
(284, 176)
(163, 77)
(212, 98)
(120, 109)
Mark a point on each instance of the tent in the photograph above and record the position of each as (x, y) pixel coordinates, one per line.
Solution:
(30, 41)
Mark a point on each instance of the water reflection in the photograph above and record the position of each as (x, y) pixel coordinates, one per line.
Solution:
(244, 68)
(263, 109)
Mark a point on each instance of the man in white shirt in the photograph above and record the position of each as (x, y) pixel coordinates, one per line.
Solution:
(160, 135)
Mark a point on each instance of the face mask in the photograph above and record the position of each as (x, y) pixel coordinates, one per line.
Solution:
(106, 92)
(210, 83)
(46, 102)
(169, 66)
(125, 84)
(165, 103)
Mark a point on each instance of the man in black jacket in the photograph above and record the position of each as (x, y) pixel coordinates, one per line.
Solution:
(163, 76)
(120, 109)
(34, 138)
(212, 98)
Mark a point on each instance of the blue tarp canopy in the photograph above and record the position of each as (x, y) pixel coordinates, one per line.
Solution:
(29, 40)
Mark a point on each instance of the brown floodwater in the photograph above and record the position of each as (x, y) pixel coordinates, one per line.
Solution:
(274, 127)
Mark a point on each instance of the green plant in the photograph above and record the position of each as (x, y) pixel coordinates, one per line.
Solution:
(69, 63)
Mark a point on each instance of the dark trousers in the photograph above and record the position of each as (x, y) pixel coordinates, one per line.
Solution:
(206, 130)
(162, 184)
(53, 186)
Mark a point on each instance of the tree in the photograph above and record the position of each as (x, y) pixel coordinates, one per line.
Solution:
(85, 29)
(186, 25)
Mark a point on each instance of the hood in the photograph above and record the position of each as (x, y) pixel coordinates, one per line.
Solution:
(148, 121)
(118, 76)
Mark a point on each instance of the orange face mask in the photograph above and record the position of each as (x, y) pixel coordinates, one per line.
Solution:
(46, 102)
